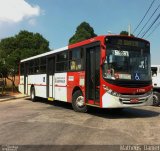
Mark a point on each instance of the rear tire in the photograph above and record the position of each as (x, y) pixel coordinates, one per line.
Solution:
(156, 98)
(78, 102)
(32, 94)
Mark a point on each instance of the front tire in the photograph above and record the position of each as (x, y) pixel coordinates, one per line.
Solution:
(78, 102)
(156, 98)
(32, 94)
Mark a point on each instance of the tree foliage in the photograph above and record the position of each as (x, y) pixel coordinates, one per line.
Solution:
(125, 33)
(84, 31)
(21, 46)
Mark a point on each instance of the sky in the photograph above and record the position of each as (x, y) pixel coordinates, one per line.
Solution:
(57, 20)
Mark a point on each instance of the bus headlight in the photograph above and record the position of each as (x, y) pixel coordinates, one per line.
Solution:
(110, 91)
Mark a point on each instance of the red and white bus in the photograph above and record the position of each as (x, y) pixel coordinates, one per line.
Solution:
(110, 71)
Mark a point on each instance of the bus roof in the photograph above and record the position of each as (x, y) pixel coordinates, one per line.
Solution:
(85, 42)
(45, 54)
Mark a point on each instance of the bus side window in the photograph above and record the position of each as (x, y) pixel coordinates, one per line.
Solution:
(75, 57)
(42, 65)
(31, 67)
(36, 66)
(79, 65)
(62, 61)
(22, 68)
(73, 65)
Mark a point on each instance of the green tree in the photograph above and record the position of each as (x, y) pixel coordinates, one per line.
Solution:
(125, 33)
(84, 31)
(21, 46)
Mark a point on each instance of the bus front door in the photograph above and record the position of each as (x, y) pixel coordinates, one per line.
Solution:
(93, 75)
(50, 77)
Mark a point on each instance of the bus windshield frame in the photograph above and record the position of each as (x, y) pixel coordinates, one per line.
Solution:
(127, 59)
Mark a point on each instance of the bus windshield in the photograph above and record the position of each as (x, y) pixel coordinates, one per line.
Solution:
(126, 62)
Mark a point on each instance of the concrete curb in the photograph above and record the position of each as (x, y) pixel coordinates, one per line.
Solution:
(12, 98)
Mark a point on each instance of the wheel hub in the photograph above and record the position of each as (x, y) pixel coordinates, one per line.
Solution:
(80, 101)
(155, 98)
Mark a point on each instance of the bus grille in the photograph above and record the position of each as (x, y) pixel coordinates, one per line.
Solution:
(133, 99)
(128, 101)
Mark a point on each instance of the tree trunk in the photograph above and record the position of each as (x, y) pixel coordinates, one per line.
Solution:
(13, 82)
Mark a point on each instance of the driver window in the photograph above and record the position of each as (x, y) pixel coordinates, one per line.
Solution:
(108, 67)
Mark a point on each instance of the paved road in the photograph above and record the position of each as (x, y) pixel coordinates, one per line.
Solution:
(38, 123)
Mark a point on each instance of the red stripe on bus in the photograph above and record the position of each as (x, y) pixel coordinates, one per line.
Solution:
(60, 86)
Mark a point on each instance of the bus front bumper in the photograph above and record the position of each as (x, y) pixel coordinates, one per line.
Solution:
(122, 101)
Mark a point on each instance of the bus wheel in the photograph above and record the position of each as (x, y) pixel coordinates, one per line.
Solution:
(32, 94)
(156, 98)
(78, 102)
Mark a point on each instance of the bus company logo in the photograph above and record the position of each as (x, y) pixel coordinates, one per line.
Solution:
(134, 100)
(60, 80)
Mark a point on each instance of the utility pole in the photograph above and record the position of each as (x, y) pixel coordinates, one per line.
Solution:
(129, 30)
